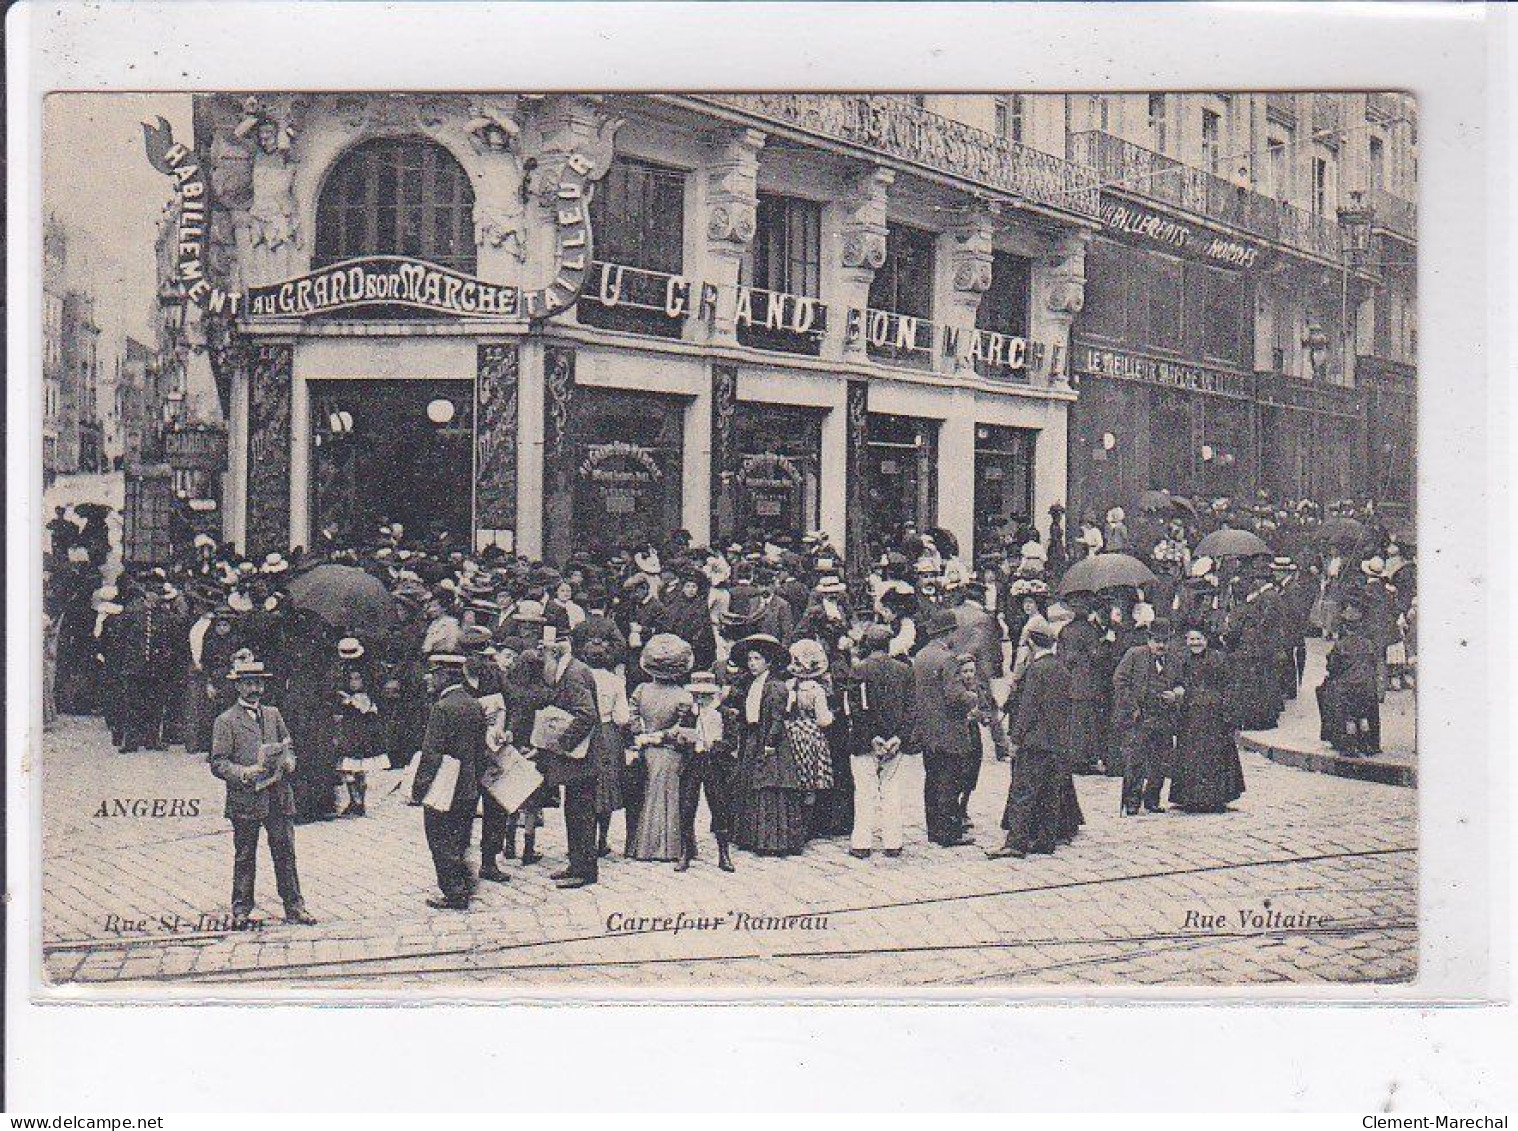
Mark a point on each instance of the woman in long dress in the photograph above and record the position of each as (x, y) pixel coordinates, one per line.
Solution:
(1208, 774)
(660, 707)
(771, 795)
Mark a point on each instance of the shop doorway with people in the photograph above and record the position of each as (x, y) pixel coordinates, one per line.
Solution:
(392, 451)
(627, 450)
(901, 476)
(1003, 481)
(778, 476)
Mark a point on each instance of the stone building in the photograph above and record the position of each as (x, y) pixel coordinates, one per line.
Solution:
(1251, 302)
(844, 312)
(784, 312)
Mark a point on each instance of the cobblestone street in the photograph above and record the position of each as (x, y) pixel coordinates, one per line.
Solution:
(1310, 880)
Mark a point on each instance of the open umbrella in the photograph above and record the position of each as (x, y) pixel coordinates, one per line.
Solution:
(1230, 543)
(346, 598)
(1104, 571)
(1341, 532)
(1155, 501)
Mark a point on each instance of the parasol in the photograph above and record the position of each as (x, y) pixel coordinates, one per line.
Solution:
(1155, 501)
(1230, 543)
(346, 598)
(1104, 571)
(1341, 531)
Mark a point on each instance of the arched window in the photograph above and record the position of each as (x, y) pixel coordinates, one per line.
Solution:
(397, 196)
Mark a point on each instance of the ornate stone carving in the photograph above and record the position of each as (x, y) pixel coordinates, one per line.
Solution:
(493, 125)
(864, 225)
(733, 189)
(856, 532)
(268, 481)
(558, 386)
(1067, 274)
(724, 452)
(496, 437)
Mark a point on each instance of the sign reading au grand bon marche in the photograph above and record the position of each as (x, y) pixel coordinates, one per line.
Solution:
(384, 280)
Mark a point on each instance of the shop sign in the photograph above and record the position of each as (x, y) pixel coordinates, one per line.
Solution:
(769, 470)
(795, 313)
(175, 160)
(621, 473)
(1097, 362)
(572, 241)
(1174, 235)
(384, 280)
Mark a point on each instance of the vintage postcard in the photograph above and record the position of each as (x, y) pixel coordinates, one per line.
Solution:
(658, 543)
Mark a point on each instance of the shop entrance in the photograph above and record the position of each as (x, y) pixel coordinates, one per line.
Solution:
(777, 480)
(392, 451)
(1003, 481)
(628, 462)
(901, 476)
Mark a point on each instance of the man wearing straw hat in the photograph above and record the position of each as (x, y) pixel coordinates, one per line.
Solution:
(250, 751)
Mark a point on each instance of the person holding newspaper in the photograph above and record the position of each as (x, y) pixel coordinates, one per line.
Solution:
(251, 752)
(454, 754)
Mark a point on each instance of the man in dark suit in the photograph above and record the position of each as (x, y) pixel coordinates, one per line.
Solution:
(941, 706)
(1146, 702)
(1041, 733)
(456, 730)
(881, 687)
(566, 763)
(250, 752)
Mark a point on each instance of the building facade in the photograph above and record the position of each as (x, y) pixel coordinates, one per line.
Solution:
(1250, 300)
(59, 436)
(137, 403)
(757, 315)
(838, 312)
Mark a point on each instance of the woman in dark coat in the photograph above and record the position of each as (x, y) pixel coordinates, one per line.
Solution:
(771, 797)
(683, 611)
(1208, 774)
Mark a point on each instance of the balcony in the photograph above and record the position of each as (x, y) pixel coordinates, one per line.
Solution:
(1398, 216)
(1128, 168)
(1282, 107)
(892, 127)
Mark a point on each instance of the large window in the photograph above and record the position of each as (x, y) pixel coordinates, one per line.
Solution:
(1223, 305)
(638, 217)
(1004, 308)
(1104, 314)
(783, 264)
(1278, 188)
(1164, 293)
(904, 287)
(1377, 164)
(1319, 186)
(397, 196)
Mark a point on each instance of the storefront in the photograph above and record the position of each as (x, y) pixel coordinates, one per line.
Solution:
(901, 476)
(778, 480)
(1142, 423)
(1003, 480)
(1312, 440)
(618, 474)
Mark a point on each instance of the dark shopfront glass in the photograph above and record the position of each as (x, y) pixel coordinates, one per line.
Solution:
(627, 452)
(1003, 480)
(901, 476)
(392, 451)
(638, 217)
(777, 484)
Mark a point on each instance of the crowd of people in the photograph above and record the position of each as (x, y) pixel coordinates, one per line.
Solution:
(784, 688)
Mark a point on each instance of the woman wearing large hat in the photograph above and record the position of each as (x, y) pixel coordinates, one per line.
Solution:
(660, 708)
(770, 796)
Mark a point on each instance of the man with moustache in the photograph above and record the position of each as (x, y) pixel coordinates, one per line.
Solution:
(455, 730)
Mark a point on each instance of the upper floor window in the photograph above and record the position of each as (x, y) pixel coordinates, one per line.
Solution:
(784, 259)
(1212, 129)
(1101, 117)
(904, 286)
(1157, 121)
(1276, 149)
(638, 216)
(397, 196)
(1377, 164)
(1003, 308)
(1320, 185)
(1010, 116)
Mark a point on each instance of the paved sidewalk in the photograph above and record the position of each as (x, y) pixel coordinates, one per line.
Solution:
(1311, 879)
(1295, 741)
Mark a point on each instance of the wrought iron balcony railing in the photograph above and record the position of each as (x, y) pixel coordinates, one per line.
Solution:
(893, 127)
(1128, 168)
